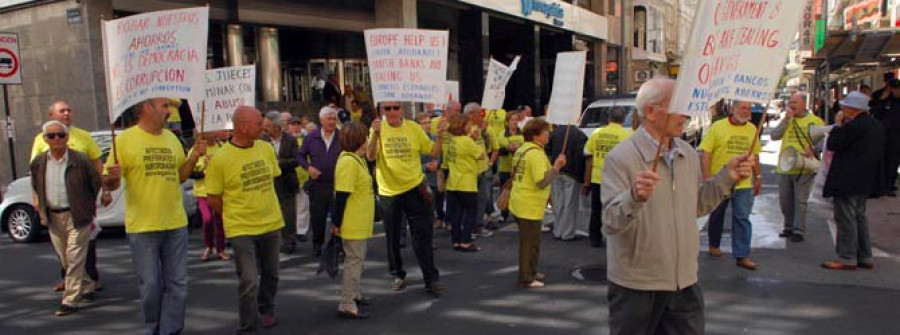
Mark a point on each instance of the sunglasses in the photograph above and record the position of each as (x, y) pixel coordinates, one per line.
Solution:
(53, 136)
(388, 108)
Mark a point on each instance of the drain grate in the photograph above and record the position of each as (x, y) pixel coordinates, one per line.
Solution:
(590, 273)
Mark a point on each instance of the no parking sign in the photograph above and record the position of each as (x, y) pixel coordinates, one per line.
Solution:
(10, 62)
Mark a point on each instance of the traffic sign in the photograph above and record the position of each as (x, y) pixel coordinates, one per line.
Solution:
(10, 60)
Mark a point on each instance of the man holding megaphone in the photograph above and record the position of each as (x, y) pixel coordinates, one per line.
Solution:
(795, 180)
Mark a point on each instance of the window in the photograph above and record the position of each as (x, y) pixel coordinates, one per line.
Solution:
(640, 27)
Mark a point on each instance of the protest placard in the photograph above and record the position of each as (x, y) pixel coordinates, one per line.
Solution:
(568, 88)
(226, 89)
(407, 64)
(495, 84)
(737, 50)
(155, 55)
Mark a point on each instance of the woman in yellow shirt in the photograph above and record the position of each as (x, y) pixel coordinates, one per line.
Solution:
(463, 156)
(213, 230)
(532, 176)
(353, 216)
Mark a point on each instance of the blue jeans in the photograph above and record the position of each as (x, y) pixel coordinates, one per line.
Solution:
(741, 230)
(160, 262)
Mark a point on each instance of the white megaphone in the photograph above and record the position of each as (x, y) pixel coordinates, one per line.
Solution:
(817, 133)
(792, 160)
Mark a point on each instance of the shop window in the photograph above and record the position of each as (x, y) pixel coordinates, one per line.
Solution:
(640, 27)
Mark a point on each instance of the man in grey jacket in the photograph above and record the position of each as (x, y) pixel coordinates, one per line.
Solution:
(650, 221)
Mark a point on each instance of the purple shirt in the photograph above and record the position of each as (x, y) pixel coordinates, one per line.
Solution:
(314, 153)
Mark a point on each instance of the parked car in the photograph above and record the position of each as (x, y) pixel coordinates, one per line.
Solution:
(21, 221)
(596, 115)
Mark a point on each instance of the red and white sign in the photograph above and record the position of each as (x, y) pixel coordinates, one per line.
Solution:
(868, 11)
(408, 64)
(10, 60)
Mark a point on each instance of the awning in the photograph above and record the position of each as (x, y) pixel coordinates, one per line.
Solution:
(868, 48)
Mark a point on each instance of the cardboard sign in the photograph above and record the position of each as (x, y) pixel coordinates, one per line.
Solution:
(10, 59)
(568, 88)
(407, 64)
(495, 84)
(226, 89)
(737, 50)
(155, 55)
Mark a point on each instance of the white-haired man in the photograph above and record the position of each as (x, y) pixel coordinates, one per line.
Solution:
(286, 185)
(655, 290)
(319, 155)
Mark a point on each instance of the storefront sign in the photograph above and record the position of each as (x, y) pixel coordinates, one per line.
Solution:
(807, 30)
(226, 89)
(153, 55)
(550, 9)
(568, 88)
(550, 12)
(864, 12)
(737, 51)
(495, 84)
(407, 64)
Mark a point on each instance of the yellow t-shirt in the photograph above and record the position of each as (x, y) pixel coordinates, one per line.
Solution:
(725, 140)
(398, 167)
(78, 140)
(791, 140)
(504, 141)
(244, 177)
(496, 121)
(489, 147)
(527, 200)
(356, 114)
(200, 184)
(351, 175)
(601, 142)
(464, 157)
(150, 164)
(302, 174)
(174, 116)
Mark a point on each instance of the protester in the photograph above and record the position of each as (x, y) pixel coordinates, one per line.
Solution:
(887, 110)
(464, 156)
(601, 142)
(318, 155)
(240, 183)
(452, 108)
(356, 111)
(213, 232)
(65, 184)
(395, 149)
(532, 176)
(353, 215)
(794, 185)
(430, 166)
(477, 123)
(173, 122)
(81, 141)
(510, 141)
(725, 140)
(297, 130)
(856, 173)
(286, 186)
(567, 189)
(652, 237)
(158, 238)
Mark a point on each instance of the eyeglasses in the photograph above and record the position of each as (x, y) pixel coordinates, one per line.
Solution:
(53, 136)
(387, 108)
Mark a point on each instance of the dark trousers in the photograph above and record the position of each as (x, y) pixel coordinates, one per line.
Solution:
(463, 207)
(419, 214)
(439, 198)
(256, 262)
(892, 157)
(320, 198)
(853, 241)
(596, 227)
(289, 214)
(529, 249)
(633, 312)
(90, 263)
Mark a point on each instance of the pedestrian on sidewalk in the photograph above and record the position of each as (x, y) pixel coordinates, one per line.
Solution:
(650, 220)
(601, 142)
(396, 147)
(286, 186)
(464, 155)
(725, 140)
(319, 155)
(354, 215)
(158, 238)
(567, 189)
(794, 185)
(532, 177)
(240, 185)
(66, 184)
(887, 110)
(213, 232)
(475, 116)
(857, 172)
(296, 129)
(440, 200)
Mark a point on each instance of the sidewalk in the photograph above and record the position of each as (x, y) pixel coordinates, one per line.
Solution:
(884, 224)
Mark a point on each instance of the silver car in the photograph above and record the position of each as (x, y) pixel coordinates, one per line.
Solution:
(20, 220)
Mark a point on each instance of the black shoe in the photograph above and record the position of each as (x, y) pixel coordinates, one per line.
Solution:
(436, 289)
(797, 238)
(64, 310)
(399, 284)
(360, 315)
(785, 233)
(892, 194)
(363, 301)
(87, 297)
(301, 238)
(287, 250)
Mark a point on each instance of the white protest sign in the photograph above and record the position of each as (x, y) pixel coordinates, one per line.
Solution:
(226, 89)
(495, 84)
(737, 50)
(155, 55)
(568, 88)
(10, 59)
(407, 64)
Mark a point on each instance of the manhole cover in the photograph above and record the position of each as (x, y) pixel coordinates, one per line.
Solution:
(593, 273)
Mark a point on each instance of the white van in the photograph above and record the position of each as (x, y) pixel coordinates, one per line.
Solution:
(596, 115)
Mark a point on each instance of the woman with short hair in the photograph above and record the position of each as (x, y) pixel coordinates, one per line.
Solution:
(463, 155)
